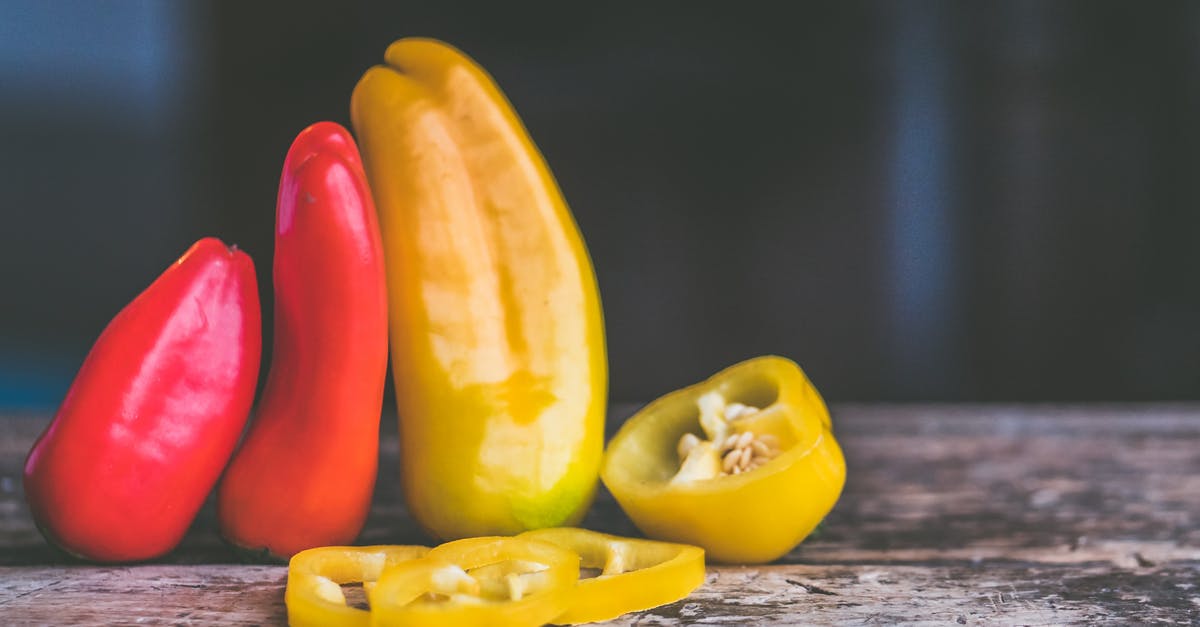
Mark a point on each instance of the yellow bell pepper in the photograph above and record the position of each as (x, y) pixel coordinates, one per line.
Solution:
(634, 574)
(314, 594)
(744, 464)
(496, 334)
(447, 587)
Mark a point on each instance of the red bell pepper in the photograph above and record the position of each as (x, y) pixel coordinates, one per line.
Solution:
(306, 470)
(153, 414)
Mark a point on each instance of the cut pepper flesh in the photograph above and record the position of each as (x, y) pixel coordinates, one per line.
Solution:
(744, 464)
(634, 574)
(730, 449)
(314, 593)
(478, 581)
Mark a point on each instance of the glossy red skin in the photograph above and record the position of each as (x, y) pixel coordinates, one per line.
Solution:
(154, 413)
(305, 473)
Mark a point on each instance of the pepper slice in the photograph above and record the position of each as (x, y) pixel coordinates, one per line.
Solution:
(635, 574)
(441, 588)
(315, 576)
(744, 464)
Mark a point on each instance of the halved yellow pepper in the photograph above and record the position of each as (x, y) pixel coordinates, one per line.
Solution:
(635, 574)
(744, 464)
(459, 598)
(314, 594)
(496, 335)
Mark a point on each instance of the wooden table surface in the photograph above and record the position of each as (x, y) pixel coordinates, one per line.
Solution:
(974, 514)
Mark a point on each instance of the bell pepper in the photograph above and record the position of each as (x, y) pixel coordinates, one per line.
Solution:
(495, 324)
(153, 414)
(314, 595)
(305, 472)
(440, 589)
(635, 574)
(744, 464)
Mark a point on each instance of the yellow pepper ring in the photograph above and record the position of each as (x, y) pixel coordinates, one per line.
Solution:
(314, 594)
(399, 596)
(635, 574)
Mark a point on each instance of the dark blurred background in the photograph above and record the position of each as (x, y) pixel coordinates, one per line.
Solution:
(916, 201)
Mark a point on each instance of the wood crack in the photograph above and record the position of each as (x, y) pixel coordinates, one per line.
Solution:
(811, 588)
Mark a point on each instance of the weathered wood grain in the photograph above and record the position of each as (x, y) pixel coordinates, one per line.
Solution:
(775, 595)
(1032, 483)
(143, 595)
(951, 515)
